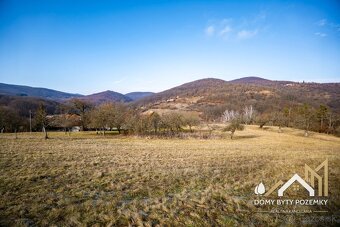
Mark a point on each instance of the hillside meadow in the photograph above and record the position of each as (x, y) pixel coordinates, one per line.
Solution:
(86, 179)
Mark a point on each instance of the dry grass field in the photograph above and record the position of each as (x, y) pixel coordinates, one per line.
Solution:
(87, 179)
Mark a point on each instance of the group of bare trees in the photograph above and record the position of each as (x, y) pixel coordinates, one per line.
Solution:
(117, 116)
(108, 116)
(10, 121)
(235, 119)
(305, 117)
(112, 117)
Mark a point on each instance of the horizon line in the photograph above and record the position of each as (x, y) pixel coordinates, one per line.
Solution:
(203, 78)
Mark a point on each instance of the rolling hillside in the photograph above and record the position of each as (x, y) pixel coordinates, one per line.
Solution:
(106, 96)
(19, 90)
(23, 104)
(34, 93)
(264, 95)
(253, 80)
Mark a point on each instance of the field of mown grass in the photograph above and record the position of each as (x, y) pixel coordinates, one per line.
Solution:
(87, 179)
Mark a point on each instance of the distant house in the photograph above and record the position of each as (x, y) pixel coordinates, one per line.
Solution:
(75, 129)
(64, 121)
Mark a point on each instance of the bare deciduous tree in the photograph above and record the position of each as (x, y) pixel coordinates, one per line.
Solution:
(41, 120)
(234, 124)
(172, 121)
(82, 108)
(103, 117)
(278, 119)
(233, 119)
(119, 112)
(321, 114)
(190, 119)
(155, 121)
(229, 115)
(287, 111)
(248, 114)
(306, 116)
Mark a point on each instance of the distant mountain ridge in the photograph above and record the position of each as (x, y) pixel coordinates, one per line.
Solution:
(251, 80)
(262, 93)
(50, 94)
(258, 81)
(20, 90)
(138, 95)
(106, 96)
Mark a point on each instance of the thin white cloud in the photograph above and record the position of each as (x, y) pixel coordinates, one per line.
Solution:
(327, 28)
(320, 34)
(210, 30)
(246, 34)
(322, 22)
(335, 26)
(227, 29)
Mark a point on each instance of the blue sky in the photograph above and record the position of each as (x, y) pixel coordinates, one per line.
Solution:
(90, 46)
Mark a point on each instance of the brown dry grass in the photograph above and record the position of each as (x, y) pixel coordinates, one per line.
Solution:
(84, 179)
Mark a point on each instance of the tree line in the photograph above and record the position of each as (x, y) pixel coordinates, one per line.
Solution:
(118, 117)
(304, 117)
(126, 119)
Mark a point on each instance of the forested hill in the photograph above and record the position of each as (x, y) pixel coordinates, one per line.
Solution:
(19, 90)
(264, 95)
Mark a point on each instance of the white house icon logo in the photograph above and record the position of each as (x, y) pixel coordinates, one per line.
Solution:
(291, 181)
(308, 182)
